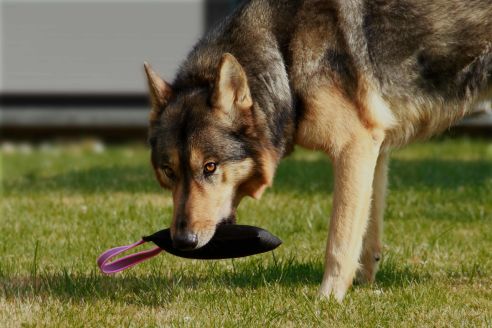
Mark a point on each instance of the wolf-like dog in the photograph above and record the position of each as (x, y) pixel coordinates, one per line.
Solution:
(352, 78)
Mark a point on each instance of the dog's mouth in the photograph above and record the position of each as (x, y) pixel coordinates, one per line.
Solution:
(205, 236)
(231, 219)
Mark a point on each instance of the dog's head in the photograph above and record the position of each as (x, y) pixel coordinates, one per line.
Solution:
(208, 147)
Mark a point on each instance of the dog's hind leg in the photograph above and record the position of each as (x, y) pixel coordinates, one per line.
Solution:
(372, 246)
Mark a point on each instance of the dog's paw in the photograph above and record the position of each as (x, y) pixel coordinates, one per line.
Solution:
(363, 277)
(333, 287)
(369, 265)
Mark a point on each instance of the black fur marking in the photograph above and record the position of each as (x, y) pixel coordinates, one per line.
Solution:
(435, 72)
(342, 66)
(444, 77)
(300, 111)
(152, 140)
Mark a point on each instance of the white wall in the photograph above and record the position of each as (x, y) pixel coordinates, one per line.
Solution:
(93, 46)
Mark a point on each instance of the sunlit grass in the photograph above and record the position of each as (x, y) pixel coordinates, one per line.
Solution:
(61, 207)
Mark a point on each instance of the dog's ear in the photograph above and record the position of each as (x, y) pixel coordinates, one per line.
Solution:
(160, 92)
(231, 90)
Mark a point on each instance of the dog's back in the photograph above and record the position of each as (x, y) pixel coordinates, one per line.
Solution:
(427, 58)
(425, 46)
(432, 59)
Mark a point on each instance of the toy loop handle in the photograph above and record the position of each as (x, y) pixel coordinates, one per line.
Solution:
(124, 262)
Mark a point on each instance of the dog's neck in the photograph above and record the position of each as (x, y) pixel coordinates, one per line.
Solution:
(256, 41)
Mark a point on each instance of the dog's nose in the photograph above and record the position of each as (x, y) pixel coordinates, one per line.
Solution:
(185, 240)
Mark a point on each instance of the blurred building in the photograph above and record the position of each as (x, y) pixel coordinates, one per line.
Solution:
(74, 67)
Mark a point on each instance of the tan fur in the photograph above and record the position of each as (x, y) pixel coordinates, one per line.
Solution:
(256, 185)
(160, 176)
(331, 121)
(356, 135)
(205, 204)
(352, 195)
(231, 86)
(376, 111)
(420, 118)
(202, 208)
(333, 124)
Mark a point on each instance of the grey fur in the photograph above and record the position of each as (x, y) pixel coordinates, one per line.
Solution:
(407, 48)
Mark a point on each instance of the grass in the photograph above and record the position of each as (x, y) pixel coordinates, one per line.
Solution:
(60, 208)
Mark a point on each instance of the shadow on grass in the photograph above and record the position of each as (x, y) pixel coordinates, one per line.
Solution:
(158, 288)
(115, 178)
(316, 176)
(392, 274)
(293, 176)
(432, 173)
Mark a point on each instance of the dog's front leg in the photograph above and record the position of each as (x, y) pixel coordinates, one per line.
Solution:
(354, 171)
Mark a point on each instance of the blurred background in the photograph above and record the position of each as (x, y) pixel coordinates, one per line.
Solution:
(72, 68)
(75, 68)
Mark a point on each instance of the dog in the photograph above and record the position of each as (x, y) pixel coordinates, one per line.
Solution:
(352, 78)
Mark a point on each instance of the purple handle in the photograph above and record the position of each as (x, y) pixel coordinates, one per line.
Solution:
(126, 261)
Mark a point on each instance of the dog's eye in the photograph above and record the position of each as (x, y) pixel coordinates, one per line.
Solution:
(209, 168)
(169, 172)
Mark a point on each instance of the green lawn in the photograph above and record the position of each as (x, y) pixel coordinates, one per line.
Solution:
(64, 206)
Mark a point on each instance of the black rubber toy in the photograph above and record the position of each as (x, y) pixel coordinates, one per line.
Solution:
(229, 241)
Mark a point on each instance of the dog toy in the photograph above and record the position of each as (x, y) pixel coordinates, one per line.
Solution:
(229, 241)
